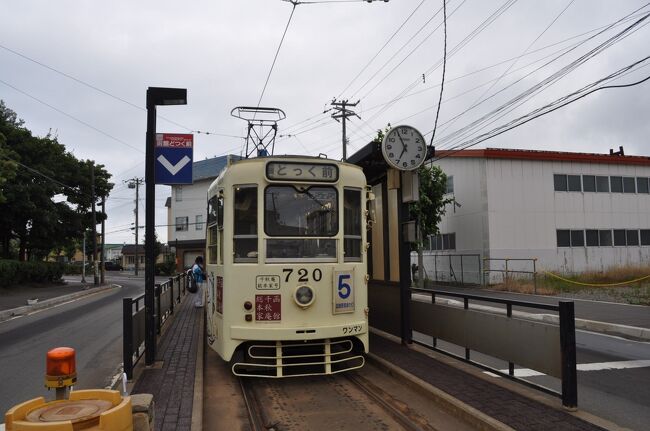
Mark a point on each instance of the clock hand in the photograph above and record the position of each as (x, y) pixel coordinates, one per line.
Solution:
(404, 147)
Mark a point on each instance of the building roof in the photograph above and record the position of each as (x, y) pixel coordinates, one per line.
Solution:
(549, 156)
(130, 249)
(210, 168)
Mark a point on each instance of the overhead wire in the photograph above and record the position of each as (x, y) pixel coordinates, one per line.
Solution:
(518, 100)
(444, 68)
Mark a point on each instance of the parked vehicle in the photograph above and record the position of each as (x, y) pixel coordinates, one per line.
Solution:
(112, 266)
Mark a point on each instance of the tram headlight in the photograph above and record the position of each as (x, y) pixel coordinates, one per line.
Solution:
(304, 296)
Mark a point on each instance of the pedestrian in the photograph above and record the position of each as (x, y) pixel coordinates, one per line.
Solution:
(199, 277)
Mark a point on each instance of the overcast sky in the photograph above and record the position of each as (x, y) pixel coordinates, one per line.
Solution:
(222, 51)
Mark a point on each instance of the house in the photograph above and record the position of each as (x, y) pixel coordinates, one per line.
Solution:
(573, 212)
(128, 253)
(187, 211)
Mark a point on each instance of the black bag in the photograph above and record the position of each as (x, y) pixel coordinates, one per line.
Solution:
(192, 287)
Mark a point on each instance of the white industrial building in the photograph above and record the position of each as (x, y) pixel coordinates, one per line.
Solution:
(572, 211)
(187, 211)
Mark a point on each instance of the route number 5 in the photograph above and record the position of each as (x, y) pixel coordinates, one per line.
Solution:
(344, 288)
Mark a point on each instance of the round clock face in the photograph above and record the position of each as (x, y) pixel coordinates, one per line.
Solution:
(404, 148)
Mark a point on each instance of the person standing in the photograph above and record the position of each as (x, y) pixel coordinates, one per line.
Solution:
(199, 277)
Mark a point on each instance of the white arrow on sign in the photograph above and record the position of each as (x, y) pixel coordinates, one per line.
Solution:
(173, 169)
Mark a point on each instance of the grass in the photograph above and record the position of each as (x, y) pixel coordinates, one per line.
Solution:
(634, 293)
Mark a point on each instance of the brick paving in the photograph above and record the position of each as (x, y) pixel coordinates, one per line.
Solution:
(503, 405)
(172, 385)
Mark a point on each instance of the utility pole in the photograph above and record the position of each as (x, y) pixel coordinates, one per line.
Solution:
(344, 113)
(134, 183)
(101, 256)
(83, 253)
(95, 266)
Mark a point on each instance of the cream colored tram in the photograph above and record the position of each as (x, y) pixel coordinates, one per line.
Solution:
(286, 264)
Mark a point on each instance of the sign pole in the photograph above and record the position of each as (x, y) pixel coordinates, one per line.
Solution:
(149, 236)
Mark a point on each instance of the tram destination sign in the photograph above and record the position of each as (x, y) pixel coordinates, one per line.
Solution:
(295, 171)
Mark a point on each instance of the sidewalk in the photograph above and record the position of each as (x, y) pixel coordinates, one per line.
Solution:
(171, 379)
(475, 399)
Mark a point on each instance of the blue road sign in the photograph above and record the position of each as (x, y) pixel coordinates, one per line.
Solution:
(173, 154)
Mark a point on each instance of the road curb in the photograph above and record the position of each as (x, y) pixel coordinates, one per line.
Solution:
(48, 303)
(634, 333)
(457, 408)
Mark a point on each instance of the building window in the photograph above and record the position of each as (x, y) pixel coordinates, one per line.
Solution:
(449, 186)
(617, 184)
(619, 238)
(445, 241)
(602, 184)
(563, 238)
(645, 236)
(632, 237)
(198, 222)
(574, 183)
(560, 183)
(179, 194)
(182, 223)
(577, 238)
(589, 183)
(605, 237)
(642, 185)
(628, 185)
(592, 237)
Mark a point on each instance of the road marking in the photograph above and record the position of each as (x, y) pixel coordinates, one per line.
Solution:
(597, 366)
(173, 169)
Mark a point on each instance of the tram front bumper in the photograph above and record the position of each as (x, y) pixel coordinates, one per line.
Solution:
(266, 332)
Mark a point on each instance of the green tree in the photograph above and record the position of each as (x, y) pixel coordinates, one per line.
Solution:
(46, 203)
(429, 209)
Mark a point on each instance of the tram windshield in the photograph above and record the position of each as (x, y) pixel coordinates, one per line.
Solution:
(301, 212)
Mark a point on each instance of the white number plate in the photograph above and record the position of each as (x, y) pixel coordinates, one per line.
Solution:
(343, 292)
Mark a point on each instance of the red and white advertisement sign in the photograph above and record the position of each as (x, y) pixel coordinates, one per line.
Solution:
(220, 295)
(174, 140)
(268, 308)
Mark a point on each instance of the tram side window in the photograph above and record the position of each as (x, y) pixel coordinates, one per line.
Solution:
(245, 224)
(215, 225)
(352, 225)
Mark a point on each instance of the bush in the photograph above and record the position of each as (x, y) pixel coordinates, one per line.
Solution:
(166, 268)
(13, 272)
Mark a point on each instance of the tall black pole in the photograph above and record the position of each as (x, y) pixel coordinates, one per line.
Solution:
(150, 328)
(137, 210)
(92, 182)
(101, 255)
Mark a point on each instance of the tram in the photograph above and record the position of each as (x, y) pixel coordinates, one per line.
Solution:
(286, 266)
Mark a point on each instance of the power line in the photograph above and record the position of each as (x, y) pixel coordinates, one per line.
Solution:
(363, 69)
(444, 67)
(535, 89)
(71, 116)
(551, 107)
(293, 9)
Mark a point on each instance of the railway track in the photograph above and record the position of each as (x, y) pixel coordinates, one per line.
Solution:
(346, 402)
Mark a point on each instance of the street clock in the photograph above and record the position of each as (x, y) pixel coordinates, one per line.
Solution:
(404, 148)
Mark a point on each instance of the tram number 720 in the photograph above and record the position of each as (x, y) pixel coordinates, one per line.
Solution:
(303, 274)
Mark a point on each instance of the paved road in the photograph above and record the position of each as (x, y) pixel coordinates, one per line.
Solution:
(91, 325)
(622, 314)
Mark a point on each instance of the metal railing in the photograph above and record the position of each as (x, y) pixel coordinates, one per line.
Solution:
(451, 268)
(508, 272)
(167, 296)
(550, 349)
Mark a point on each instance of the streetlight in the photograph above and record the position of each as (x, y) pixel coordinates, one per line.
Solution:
(155, 96)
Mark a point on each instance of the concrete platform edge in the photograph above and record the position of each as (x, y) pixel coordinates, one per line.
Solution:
(518, 388)
(48, 303)
(459, 409)
(197, 402)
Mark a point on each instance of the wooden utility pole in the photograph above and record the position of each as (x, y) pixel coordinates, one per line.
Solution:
(344, 113)
(134, 183)
(95, 266)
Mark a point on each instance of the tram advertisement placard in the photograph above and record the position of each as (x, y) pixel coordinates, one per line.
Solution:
(343, 292)
(294, 171)
(268, 308)
(267, 282)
